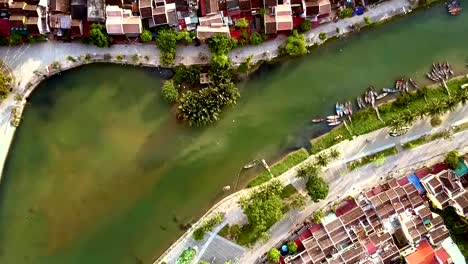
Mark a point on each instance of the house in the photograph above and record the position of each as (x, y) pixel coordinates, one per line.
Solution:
(121, 22)
(79, 9)
(158, 12)
(5, 4)
(444, 189)
(77, 28)
(316, 8)
(59, 6)
(211, 25)
(34, 26)
(96, 11)
(278, 18)
(425, 254)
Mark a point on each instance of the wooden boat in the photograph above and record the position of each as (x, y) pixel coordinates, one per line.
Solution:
(350, 108)
(344, 109)
(360, 103)
(332, 117)
(413, 83)
(317, 120)
(373, 101)
(338, 109)
(389, 90)
(406, 86)
(334, 123)
(380, 96)
(397, 85)
(250, 164)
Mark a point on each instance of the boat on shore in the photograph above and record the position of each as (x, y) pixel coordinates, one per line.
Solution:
(380, 96)
(389, 90)
(335, 123)
(360, 102)
(318, 120)
(332, 117)
(413, 83)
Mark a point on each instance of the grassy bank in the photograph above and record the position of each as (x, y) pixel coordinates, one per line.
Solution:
(280, 167)
(408, 107)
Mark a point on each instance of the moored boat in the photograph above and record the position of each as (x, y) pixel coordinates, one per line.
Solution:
(389, 90)
(334, 123)
(413, 83)
(380, 96)
(317, 120)
(332, 117)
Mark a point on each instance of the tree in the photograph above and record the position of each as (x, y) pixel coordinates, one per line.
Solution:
(242, 22)
(323, 160)
(169, 92)
(256, 39)
(292, 247)
(308, 170)
(317, 188)
(167, 43)
(146, 36)
(184, 74)
(304, 26)
(274, 255)
(221, 44)
(98, 36)
(296, 44)
(452, 158)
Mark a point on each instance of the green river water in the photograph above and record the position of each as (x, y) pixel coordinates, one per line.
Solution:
(100, 172)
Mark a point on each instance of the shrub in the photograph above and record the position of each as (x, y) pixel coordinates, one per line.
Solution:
(292, 247)
(208, 226)
(146, 36)
(119, 57)
(347, 12)
(167, 43)
(184, 36)
(436, 121)
(452, 158)
(107, 56)
(221, 44)
(187, 256)
(296, 44)
(367, 20)
(304, 26)
(169, 92)
(4, 87)
(70, 58)
(317, 216)
(317, 188)
(256, 39)
(98, 36)
(184, 74)
(242, 22)
(274, 255)
(323, 36)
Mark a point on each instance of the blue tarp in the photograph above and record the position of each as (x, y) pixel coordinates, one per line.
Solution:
(359, 11)
(415, 181)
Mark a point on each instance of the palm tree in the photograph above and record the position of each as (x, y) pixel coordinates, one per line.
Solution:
(435, 108)
(334, 154)
(323, 160)
(408, 117)
(450, 104)
(397, 123)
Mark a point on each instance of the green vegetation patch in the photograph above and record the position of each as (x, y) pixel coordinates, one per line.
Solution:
(457, 226)
(425, 139)
(291, 160)
(461, 127)
(378, 158)
(208, 226)
(187, 256)
(288, 191)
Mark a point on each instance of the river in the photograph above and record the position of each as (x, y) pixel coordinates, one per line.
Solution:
(100, 172)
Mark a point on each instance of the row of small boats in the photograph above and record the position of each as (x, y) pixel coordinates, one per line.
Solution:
(440, 71)
(454, 8)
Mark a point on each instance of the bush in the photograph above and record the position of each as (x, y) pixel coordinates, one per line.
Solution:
(323, 36)
(187, 256)
(146, 36)
(436, 121)
(208, 226)
(221, 44)
(98, 36)
(184, 74)
(256, 39)
(347, 12)
(71, 58)
(242, 22)
(292, 247)
(274, 255)
(167, 43)
(367, 20)
(317, 188)
(296, 44)
(4, 86)
(317, 216)
(184, 36)
(304, 26)
(452, 158)
(169, 92)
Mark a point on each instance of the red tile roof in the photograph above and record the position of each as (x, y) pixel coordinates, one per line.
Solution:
(421, 173)
(442, 255)
(439, 167)
(424, 254)
(345, 207)
(4, 28)
(403, 181)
